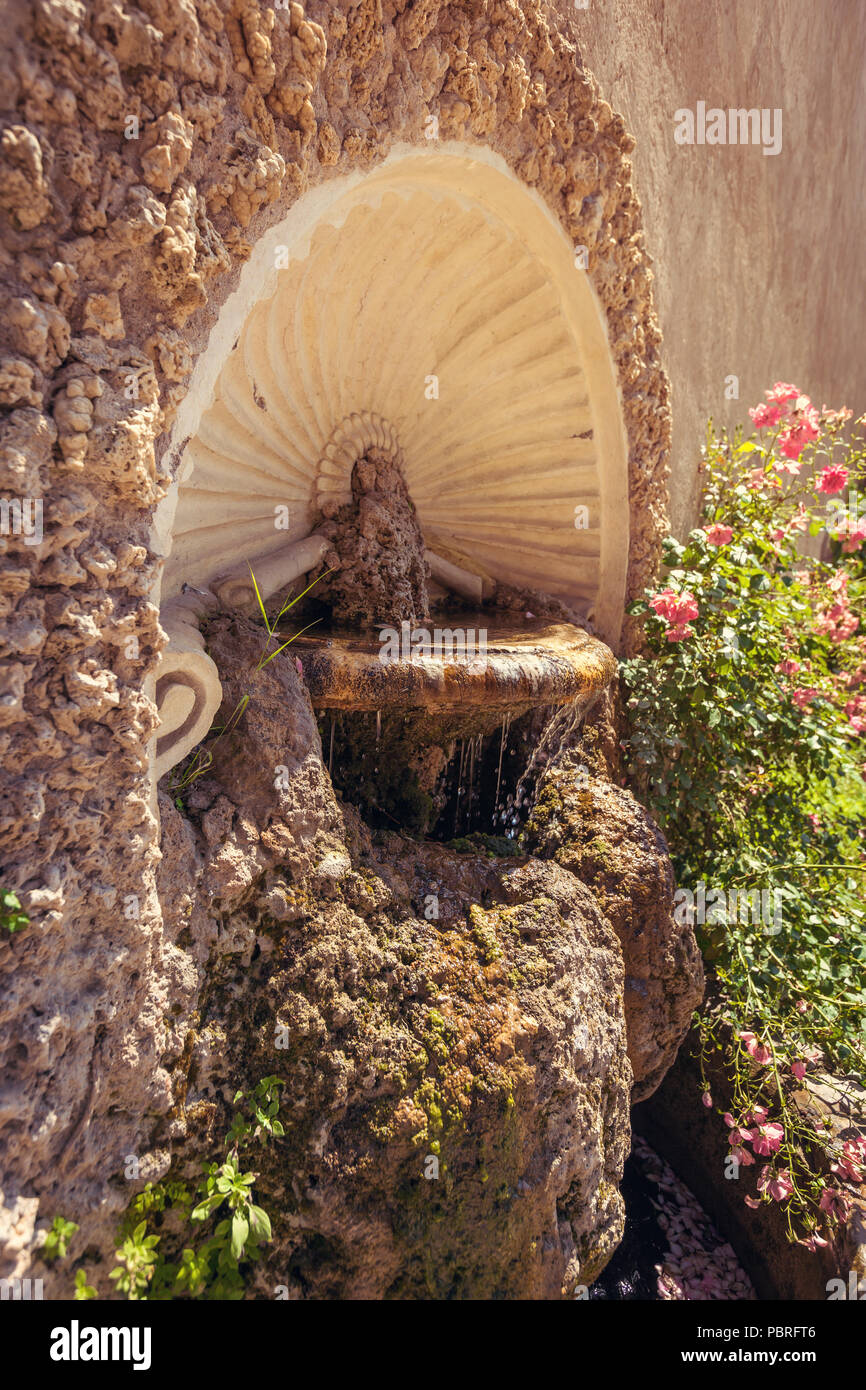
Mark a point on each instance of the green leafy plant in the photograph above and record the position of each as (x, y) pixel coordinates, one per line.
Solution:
(13, 918)
(137, 1256)
(201, 759)
(83, 1290)
(226, 1184)
(261, 1121)
(222, 1208)
(58, 1238)
(746, 722)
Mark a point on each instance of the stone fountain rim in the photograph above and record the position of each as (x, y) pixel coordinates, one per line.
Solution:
(546, 665)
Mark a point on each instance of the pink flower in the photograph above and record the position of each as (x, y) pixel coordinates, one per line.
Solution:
(707, 1100)
(814, 1242)
(848, 1171)
(688, 609)
(832, 479)
(837, 621)
(299, 665)
(788, 668)
(854, 535)
(798, 1069)
(738, 1137)
(756, 1116)
(784, 402)
(682, 630)
(783, 393)
(802, 1006)
(762, 1055)
(677, 610)
(779, 1185)
(765, 416)
(804, 697)
(803, 425)
(717, 534)
(792, 452)
(835, 1203)
(741, 1155)
(850, 1165)
(757, 478)
(664, 603)
(836, 416)
(752, 1202)
(766, 1139)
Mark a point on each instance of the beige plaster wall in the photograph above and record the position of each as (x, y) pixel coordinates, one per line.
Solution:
(760, 263)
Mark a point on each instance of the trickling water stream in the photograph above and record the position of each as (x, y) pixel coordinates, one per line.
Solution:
(441, 735)
(479, 784)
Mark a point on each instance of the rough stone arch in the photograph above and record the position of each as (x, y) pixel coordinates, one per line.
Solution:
(146, 152)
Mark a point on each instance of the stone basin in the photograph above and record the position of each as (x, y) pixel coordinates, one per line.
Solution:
(461, 679)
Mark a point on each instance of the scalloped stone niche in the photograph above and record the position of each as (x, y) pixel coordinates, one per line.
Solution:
(433, 305)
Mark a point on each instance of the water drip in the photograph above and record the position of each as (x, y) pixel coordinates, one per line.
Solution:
(554, 735)
(459, 785)
(471, 785)
(506, 721)
(434, 745)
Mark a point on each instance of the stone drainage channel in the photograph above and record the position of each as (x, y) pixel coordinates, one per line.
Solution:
(670, 1251)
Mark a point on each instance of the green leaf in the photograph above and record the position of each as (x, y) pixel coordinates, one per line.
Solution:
(240, 1231)
(286, 606)
(204, 1209)
(262, 664)
(260, 1223)
(262, 608)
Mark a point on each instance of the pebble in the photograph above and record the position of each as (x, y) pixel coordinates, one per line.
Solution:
(698, 1265)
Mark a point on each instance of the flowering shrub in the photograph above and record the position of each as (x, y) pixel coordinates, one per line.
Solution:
(747, 723)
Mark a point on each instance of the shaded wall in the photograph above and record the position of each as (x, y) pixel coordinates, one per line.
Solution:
(759, 259)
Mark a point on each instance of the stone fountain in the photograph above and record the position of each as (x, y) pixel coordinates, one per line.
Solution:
(464, 935)
(352, 236)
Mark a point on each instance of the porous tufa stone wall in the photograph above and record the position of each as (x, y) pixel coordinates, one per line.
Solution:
(143, 150)
(490, 1037)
